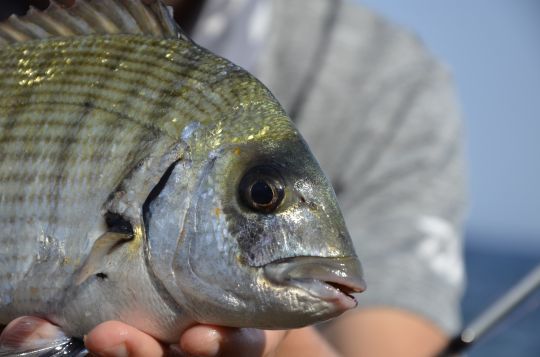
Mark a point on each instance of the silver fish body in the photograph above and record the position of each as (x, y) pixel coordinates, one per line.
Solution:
(147, 180)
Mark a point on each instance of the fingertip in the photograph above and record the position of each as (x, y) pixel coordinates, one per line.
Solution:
(115, 339)
(210, 341)
(105, 335)
(201, 340)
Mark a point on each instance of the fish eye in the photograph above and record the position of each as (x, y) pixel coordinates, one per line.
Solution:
(261, 189)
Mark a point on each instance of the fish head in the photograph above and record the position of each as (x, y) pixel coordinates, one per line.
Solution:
(262, 241)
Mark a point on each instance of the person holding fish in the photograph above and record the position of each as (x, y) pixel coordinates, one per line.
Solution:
(375, 108)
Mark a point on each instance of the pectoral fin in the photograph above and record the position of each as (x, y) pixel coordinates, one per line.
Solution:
(33, 337)
(67, 347)
(103, 246)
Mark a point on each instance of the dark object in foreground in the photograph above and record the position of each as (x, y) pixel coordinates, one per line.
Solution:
(494, 314)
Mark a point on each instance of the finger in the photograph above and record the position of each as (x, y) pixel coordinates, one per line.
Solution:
(29, 331)
(204, 340)
(115, 339)
(274, 339)
(306, 341)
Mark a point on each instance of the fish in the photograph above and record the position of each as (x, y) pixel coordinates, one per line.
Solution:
(146, 180)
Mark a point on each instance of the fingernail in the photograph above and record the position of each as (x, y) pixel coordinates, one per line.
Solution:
(116, 351)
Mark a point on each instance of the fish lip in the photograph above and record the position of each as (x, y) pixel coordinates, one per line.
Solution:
(332, 279)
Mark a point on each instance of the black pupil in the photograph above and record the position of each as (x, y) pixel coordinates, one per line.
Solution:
(261, 193)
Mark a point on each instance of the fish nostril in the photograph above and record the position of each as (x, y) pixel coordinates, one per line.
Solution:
(310, 204)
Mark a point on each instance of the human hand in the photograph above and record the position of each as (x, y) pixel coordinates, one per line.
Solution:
(114, 338)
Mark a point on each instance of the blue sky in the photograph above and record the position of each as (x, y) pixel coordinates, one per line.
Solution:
(493, 50)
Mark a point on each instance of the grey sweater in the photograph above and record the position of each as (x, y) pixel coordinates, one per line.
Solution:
(379, 114)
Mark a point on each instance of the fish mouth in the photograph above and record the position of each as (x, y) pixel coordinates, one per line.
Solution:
(333, 280)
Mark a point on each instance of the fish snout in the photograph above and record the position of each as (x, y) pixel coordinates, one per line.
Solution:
(333, 280)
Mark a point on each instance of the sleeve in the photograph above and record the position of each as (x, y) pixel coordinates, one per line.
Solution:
(385, 126)
(404, 200)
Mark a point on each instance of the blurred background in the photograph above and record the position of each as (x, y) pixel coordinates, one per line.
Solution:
(492, 47)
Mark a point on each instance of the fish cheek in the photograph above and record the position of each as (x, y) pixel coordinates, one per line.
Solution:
(257, 236)
(250, 235)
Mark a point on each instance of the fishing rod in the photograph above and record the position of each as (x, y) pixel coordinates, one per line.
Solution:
(493, 314)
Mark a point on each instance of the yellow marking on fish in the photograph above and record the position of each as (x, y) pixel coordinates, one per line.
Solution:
(31, 71)
(237, 151)
(240, 259)
(217, 211)
(135, 245)
(217, 133)
(260, 134)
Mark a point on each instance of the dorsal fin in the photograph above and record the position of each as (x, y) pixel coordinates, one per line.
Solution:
(87, 17)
